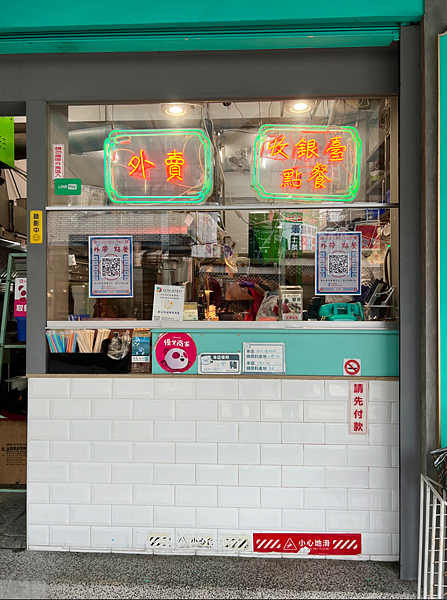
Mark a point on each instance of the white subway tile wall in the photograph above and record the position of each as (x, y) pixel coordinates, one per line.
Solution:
(153, 464)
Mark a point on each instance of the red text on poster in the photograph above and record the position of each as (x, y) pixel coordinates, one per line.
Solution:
(358, 407)
(20, 297)
(58, 161)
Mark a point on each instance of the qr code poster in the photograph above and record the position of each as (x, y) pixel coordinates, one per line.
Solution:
(338, 263)
(110, 267)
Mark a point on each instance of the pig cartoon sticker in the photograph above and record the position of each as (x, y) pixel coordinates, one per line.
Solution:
(175, 352)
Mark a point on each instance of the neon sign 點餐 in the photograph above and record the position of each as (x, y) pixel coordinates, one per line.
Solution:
(292, 162)
(165, 166)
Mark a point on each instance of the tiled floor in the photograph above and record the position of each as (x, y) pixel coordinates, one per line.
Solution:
(90, 575)
(26, 574)
(13, 518)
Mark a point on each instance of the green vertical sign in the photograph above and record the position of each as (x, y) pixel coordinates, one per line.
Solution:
(7, 141)
(266, 239)
(442, 235)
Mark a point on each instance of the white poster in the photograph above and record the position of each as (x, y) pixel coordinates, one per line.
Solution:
(206, 236)
(169, 301)
(299, 236)
(216, 362)
(110, 267)
(58, 161)
(264, 358)
(358, 407)
(338, 263)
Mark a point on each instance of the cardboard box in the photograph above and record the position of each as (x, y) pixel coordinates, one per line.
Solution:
(12, 452)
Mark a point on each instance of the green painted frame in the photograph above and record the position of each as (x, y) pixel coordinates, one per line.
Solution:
(199, 198)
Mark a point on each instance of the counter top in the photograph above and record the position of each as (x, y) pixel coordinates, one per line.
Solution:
(226, 325)
(196, 376)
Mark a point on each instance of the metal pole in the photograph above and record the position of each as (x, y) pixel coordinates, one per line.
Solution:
(421, 537)
(5, 311)
(427, 532)
(254, 207)
(441, 549)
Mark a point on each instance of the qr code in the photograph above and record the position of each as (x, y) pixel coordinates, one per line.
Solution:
(110, 267)
(338, 265)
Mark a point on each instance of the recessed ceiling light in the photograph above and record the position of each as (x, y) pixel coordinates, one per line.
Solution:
(175, 110)
(299, 106)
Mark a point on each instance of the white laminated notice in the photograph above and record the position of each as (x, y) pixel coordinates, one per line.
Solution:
(358, 407)
(264, 358)
(220, 363)
(58, 161)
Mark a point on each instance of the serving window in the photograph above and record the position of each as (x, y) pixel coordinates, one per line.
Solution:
(243, 211)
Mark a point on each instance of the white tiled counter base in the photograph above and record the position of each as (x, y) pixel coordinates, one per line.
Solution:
(198, 465)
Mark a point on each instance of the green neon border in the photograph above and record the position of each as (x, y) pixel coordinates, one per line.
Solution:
(259, 141)
(109, 147)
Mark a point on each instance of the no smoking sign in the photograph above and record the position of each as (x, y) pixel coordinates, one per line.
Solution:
(352, 367)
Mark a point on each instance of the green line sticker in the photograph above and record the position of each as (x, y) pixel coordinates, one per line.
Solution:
(67, 187)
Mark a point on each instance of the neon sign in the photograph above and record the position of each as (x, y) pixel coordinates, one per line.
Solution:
(174, 165)
(319, 175)
(292, 162)
(276, 147)
(306, 149)
(291, 178)
(158, 166)
(137, 164)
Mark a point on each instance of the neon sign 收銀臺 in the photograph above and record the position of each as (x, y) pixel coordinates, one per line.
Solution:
(164, 166)
(303, 162)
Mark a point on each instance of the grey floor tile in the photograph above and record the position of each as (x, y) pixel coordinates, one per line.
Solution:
(91, 575)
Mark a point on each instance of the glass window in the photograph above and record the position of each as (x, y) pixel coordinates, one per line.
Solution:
(271, 219)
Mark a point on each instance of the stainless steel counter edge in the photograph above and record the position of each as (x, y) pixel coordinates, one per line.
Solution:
(197, 376)
(228, 325)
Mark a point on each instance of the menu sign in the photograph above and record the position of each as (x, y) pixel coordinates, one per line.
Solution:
(338, 263)
(296, 162)
(110, 267)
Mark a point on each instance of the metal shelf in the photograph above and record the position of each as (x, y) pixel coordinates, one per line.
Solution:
(14, 346)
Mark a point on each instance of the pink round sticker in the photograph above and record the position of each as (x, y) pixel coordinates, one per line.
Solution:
(175, 352)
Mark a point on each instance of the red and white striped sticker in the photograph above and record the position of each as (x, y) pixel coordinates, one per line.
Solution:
(341, 544)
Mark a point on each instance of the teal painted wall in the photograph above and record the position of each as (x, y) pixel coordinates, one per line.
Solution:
(85, 26)
(54, 14)
(308, 352)
(189, 40)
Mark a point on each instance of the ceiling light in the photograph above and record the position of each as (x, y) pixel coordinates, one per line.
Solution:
(300, 107)
(175, 110)
(297, 107)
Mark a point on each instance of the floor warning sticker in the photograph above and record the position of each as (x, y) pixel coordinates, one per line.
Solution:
(341, 544)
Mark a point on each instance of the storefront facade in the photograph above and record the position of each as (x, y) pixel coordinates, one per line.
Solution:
(196, 461)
